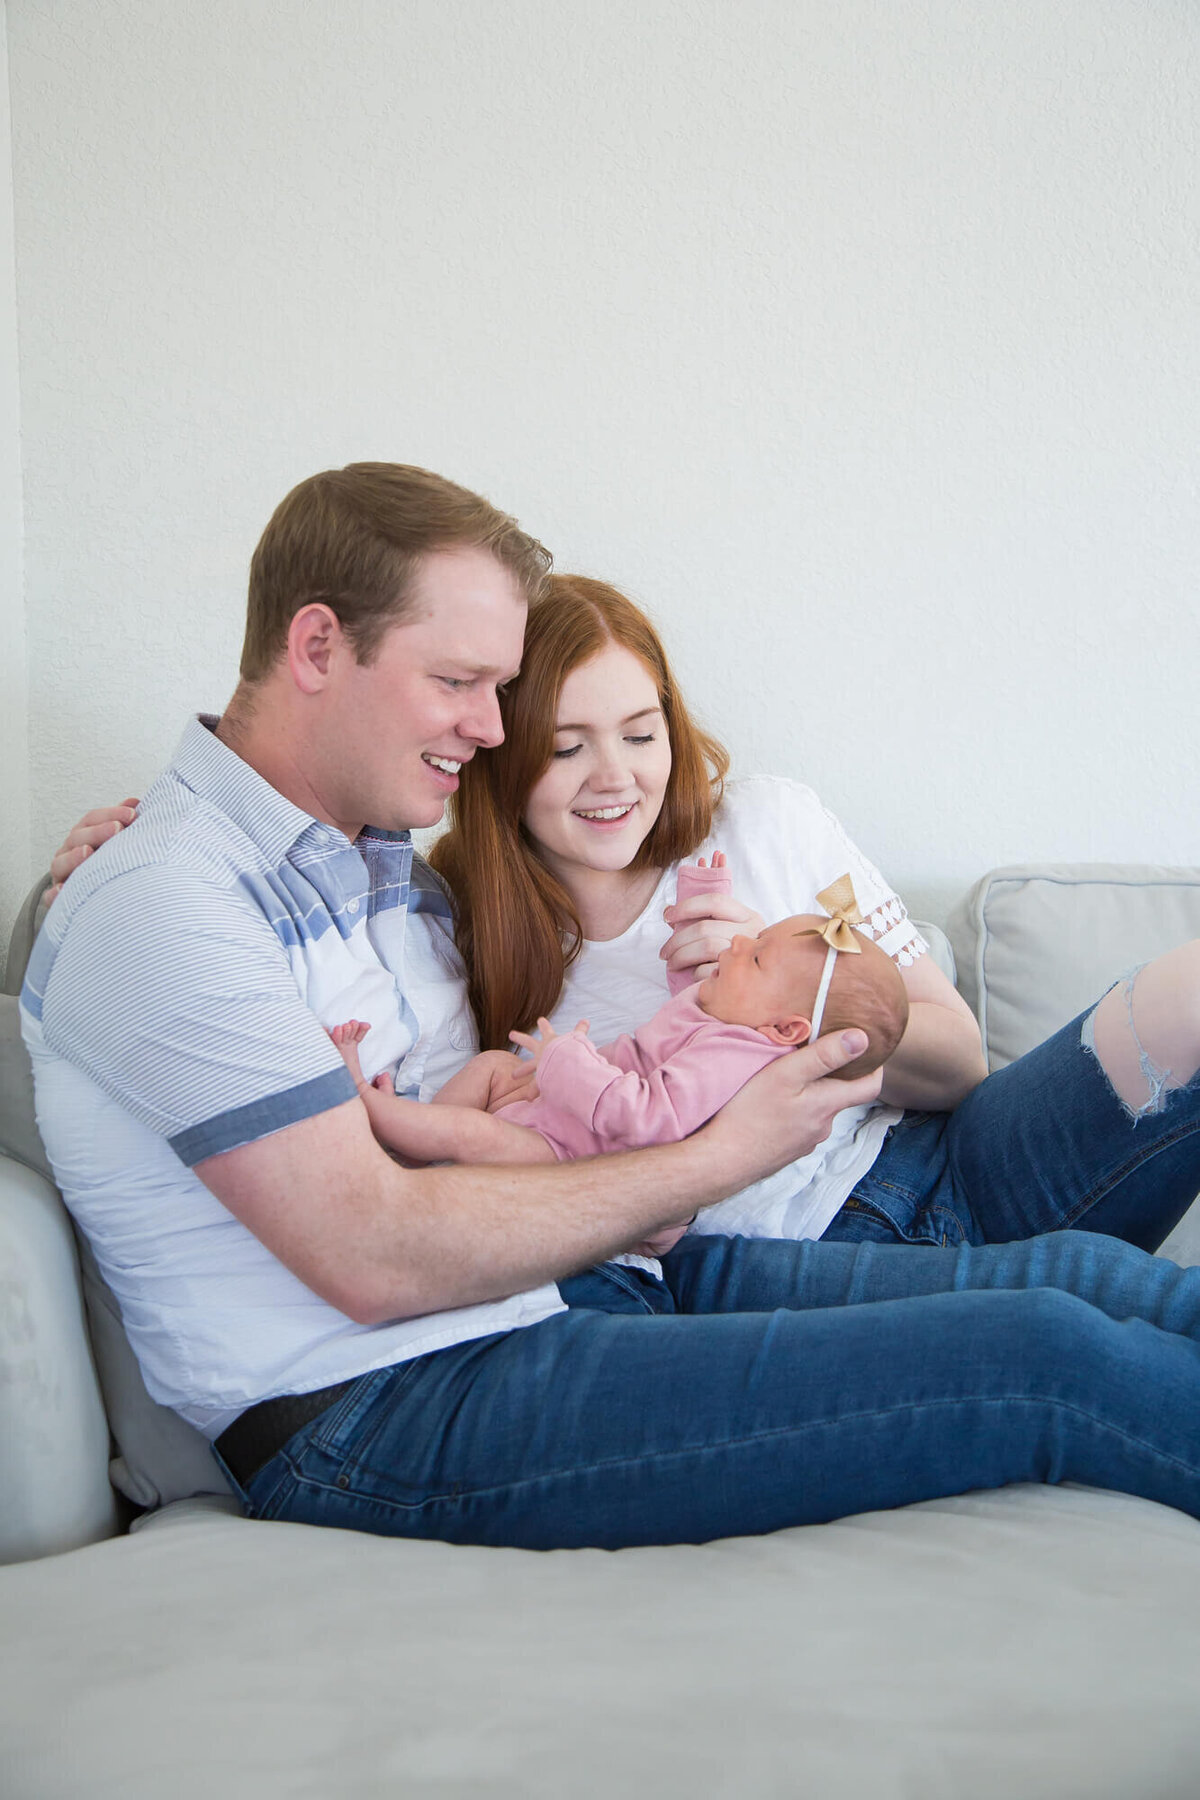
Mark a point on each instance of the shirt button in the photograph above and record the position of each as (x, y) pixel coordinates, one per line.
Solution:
(352, 906)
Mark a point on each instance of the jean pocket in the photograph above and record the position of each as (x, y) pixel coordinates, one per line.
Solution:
(869, 1219)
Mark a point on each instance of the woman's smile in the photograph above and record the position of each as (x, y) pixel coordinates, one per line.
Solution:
(599, 797)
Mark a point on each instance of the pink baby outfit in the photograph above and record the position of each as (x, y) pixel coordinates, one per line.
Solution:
(655, 1087)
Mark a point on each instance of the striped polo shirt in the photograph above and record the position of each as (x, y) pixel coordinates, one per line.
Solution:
(175, 1006)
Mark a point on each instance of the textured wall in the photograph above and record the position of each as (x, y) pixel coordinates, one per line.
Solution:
(14, 716)
(859, 342)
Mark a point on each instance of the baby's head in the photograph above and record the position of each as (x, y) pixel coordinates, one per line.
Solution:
(770, 982)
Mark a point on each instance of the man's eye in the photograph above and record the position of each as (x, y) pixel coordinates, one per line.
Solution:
(453, 681)
(573, 751)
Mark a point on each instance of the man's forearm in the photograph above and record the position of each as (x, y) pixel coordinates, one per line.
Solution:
(380, 1242)
(480, 1233)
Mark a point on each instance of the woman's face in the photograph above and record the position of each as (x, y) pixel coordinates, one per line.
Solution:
(604, 788)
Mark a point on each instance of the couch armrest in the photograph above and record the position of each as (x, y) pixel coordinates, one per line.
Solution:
(54, 1488)
(23, 934)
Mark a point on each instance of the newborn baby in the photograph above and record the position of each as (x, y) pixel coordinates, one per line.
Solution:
(768, 995)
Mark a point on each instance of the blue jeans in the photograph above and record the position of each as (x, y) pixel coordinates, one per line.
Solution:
(1043, 1145)
(763, 1384)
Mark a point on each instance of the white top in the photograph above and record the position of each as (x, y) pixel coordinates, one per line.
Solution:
(174, 1008)
(783, 847)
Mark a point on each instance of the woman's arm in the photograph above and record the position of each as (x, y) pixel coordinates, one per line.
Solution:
(940, 1057)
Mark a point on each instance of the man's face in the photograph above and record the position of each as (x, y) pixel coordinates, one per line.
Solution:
(402, 725)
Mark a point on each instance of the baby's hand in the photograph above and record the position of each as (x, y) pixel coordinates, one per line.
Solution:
(537, 1046)
(346, 1039)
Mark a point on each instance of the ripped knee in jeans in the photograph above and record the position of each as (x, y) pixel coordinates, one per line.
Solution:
(1159, 1081)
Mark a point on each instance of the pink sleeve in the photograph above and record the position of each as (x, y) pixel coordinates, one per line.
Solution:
(692, 880)
(630, 1111)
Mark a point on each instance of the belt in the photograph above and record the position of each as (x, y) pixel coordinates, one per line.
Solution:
(261, 1431)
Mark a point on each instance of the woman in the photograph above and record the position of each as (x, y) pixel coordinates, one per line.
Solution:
(562, 855)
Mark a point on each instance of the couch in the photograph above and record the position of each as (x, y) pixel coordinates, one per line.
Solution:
(154, 1643)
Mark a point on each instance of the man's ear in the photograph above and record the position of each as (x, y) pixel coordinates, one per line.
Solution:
(791, 1031)
(313, 637)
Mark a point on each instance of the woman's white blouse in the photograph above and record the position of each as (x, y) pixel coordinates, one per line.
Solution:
(783, 847)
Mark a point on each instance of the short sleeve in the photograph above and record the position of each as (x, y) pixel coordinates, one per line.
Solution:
(177, 998)
(785, 847)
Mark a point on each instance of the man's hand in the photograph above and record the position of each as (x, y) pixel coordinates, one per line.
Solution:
(788, 1109)
(94, 829)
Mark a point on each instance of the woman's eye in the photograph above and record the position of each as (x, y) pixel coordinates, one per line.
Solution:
(648, 739)
(573, 751)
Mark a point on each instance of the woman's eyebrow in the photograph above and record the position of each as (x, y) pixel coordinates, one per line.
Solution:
(644, 714)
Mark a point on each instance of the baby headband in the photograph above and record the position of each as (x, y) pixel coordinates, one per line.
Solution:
(841, 903)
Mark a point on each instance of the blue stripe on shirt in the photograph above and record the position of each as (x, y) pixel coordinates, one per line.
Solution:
(245, 1124)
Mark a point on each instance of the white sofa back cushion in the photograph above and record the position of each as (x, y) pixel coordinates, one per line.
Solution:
(1036, 943)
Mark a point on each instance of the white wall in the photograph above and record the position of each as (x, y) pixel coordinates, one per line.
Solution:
(859, 342)
(14, 674)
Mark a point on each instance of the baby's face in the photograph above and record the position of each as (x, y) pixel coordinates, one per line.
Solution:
(768, 979)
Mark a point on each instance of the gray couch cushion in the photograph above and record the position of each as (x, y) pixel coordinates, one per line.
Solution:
(158, 1457)
(23, 933)
(19, 1137)
(1036, 943)
(54, 1494)
(1035, 1642)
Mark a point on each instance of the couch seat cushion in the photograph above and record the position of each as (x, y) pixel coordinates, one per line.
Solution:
(1034, 1641)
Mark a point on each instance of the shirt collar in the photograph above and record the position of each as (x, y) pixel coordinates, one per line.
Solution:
(218, 774)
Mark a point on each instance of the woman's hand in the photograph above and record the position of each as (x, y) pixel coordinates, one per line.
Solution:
(701, 928)
(94, 829)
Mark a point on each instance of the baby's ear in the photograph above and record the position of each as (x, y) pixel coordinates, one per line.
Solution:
(791, 1031)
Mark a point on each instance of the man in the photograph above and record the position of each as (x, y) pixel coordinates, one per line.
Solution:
(205, 1131)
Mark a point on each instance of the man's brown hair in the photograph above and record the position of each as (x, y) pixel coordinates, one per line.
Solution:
(351, 539)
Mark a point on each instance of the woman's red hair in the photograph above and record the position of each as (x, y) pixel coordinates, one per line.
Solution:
(517, 927)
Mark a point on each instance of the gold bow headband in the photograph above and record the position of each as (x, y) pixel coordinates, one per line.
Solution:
(841, 904)
(838, 931)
